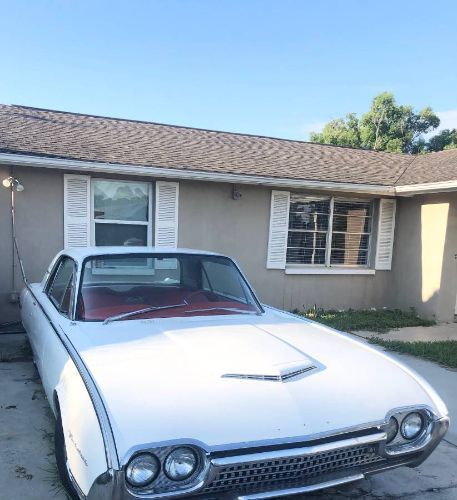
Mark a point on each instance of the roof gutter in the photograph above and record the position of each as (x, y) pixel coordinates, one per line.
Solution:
(431, 187)
(171, 173)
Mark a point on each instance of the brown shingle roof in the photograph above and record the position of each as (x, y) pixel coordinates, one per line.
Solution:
(41, 132)
(432, 167)
(57, 134)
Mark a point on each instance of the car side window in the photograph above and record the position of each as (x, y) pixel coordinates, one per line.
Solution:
(220, 278)
(60, 290)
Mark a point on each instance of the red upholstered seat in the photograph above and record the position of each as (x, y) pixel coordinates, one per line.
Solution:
(99, 302)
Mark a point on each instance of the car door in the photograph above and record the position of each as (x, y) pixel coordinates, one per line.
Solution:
(29, 317)
(59, 292)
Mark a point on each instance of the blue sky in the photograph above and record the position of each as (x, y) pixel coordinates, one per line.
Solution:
(279, 68)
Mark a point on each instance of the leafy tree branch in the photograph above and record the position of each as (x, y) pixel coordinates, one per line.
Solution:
(386, 126)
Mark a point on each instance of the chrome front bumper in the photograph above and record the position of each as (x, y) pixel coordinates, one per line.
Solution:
(284, 472)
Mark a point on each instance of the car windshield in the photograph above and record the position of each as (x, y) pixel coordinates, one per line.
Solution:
(153, 285)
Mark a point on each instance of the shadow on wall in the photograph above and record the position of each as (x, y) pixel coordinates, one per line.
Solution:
(446, 302)
(424, 267)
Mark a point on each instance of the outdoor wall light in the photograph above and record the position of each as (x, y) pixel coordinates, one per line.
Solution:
(236, 193)
(14, 183)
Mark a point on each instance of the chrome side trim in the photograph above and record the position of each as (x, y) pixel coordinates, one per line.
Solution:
(78, 490)
(303, 489)
(112, 459)
(307, 450)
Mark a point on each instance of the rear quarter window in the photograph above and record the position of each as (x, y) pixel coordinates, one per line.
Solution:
(60, 290)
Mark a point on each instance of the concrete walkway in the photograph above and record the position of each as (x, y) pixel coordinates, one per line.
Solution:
(444, 331)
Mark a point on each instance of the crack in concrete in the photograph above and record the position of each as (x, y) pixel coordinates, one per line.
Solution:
(449, 442)
(375, 496)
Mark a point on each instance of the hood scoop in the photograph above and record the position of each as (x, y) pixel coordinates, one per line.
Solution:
(279, 373)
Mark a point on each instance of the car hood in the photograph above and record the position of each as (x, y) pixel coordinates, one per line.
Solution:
(233, 381)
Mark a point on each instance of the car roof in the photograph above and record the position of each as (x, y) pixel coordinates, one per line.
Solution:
(79, 254)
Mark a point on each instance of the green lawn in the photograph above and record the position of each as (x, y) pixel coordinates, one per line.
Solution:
(444, 351)
(380, 321)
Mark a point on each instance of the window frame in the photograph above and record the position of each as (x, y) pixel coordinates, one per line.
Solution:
(156, 254)
(94, 221)
(205, 275)
(321, 198)
(328, 266)
(50, 281)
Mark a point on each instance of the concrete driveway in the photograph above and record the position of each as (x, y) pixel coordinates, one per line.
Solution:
(26, 440)
(443, 380)
(26, 429)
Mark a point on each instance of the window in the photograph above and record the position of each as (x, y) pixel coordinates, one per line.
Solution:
(308, 230)
(189, 285)
(121, 213)
(60, 290)
(329, 231)
(219, 277)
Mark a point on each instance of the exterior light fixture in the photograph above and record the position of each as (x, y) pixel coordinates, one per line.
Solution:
(11, 182)
(14, 184)
(236, 193)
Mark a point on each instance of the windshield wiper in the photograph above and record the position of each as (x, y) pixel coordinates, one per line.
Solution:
(141, 311)
(232, 309)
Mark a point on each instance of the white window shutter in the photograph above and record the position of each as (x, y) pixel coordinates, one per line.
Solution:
(166, 214)
(385, 236)
(279, 226)
(76, 218)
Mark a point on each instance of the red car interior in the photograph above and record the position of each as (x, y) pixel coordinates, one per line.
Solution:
(96, 303)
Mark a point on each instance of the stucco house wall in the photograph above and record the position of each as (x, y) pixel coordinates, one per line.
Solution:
(424, 267)
(39, 227)
(209, 219)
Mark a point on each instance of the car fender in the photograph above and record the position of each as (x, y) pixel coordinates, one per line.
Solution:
(89, 443)
(85, 450)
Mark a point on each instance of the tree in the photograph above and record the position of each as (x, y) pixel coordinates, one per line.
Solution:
(385, 127)
(446, 139)
(340, 132)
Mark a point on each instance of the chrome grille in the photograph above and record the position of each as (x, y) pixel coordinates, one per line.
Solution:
(290, 471)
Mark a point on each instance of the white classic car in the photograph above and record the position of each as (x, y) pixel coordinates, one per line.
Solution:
(168, 378)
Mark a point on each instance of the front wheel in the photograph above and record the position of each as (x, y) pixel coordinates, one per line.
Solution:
(61, 460)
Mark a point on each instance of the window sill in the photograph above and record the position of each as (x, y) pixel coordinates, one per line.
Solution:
(329, 270)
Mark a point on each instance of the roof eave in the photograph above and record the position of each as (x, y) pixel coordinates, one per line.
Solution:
(12, 159)
(424, 188)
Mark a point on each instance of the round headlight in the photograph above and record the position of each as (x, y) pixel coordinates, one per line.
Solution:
(391, 429)
(142, 470)
(180, 464)
(412, 426)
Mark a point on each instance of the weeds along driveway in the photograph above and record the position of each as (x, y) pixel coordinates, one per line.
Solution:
(27, 454)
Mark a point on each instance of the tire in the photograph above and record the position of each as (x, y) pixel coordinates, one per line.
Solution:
(61, 460)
